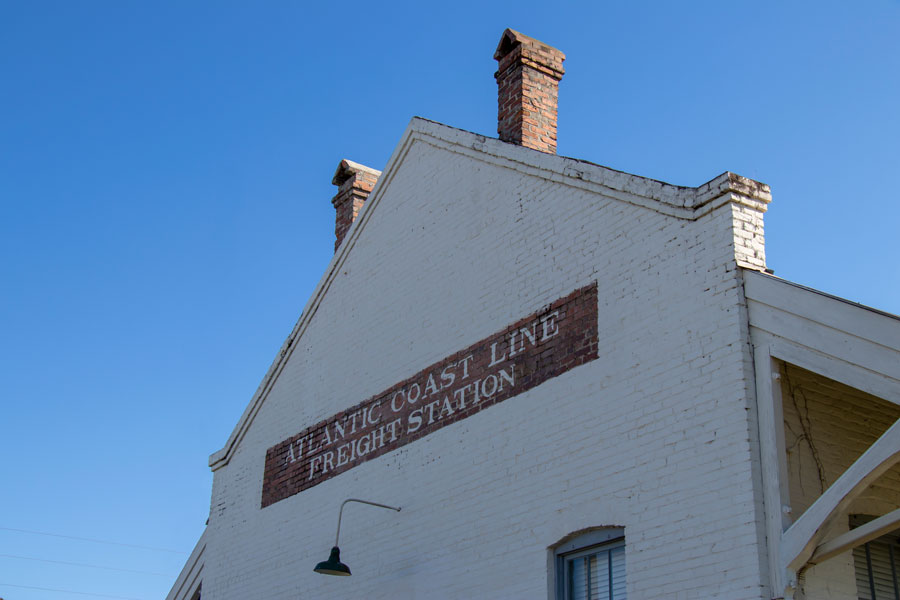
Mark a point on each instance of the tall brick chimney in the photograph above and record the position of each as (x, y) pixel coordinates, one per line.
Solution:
(528, 77)
(355, 183)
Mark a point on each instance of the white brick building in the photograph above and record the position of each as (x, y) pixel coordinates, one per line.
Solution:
(574, 381)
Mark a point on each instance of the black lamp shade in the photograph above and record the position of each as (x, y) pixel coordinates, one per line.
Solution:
(333, 566)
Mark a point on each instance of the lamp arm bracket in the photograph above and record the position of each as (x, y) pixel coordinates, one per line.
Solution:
(341, 513)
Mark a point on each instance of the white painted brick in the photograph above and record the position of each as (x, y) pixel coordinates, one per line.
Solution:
(654, 435)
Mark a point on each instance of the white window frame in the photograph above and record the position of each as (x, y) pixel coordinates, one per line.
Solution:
(584, 544)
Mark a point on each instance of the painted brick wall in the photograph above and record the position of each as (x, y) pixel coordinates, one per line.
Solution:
(541, 346)
(827, 426)
(653, 435)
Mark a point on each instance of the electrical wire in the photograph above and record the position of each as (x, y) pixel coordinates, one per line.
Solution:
(72, 537)
(43, 589)
(75, 564)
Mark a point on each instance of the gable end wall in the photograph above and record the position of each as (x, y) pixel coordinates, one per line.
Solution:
(652, 436)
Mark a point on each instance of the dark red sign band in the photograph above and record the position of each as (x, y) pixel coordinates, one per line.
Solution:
(541, 346)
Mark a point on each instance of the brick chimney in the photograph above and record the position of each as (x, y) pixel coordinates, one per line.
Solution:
(528, 77)
(355, 183)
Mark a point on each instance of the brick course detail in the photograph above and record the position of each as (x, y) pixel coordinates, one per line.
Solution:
(355, 182)
(547, 343)
(528, 76)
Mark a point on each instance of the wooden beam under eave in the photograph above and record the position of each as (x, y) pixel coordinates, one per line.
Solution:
(856, 537)
(801, 538)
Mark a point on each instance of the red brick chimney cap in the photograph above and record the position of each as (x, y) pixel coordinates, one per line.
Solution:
(512, 38)
(347, 169)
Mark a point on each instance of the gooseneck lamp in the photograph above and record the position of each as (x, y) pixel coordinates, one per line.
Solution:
(334, 566)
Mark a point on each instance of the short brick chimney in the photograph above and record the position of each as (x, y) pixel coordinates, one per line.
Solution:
(355, 183)
(528, 77)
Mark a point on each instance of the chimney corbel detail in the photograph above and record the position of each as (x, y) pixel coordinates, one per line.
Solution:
(528, 76)
(355, 183)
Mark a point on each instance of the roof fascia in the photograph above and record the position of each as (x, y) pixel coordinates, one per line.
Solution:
(677, 201)
(849, 342)
(883, 327)
(221, 457)
(186, 583)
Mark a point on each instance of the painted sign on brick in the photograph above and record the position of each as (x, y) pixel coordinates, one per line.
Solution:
(538, 347)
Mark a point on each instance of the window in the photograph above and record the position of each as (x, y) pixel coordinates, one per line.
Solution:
(877, 569)
(592, 566)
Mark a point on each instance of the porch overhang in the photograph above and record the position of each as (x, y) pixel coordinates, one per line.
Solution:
(842, 341)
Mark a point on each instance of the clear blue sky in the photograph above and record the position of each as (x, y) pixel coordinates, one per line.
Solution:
(165, 177)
